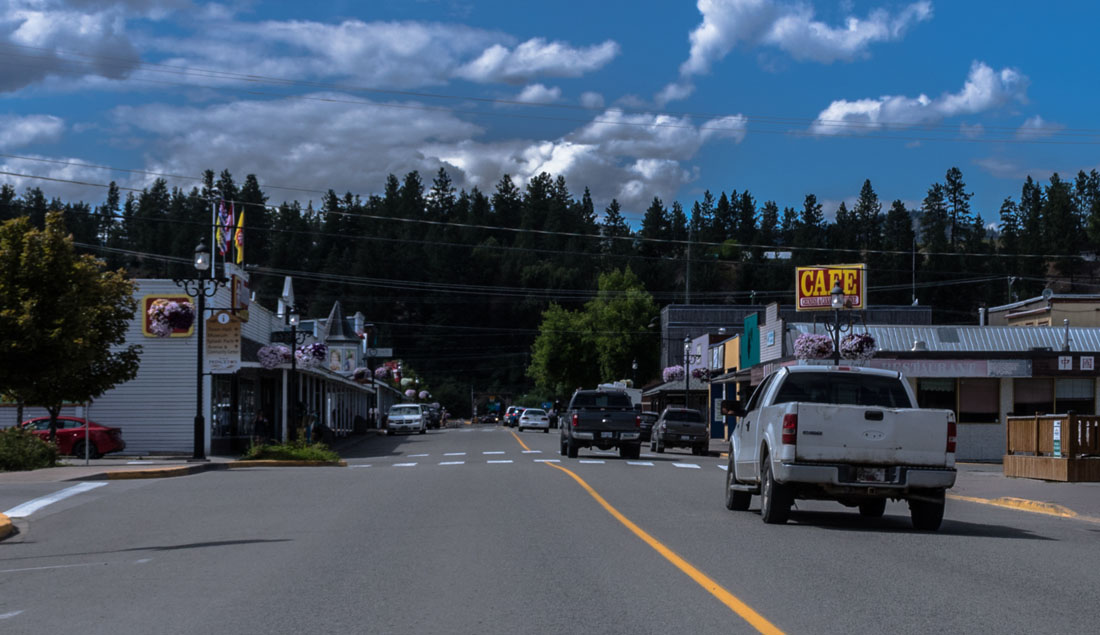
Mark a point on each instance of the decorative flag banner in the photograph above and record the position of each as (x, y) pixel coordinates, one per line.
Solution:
(225, 228)
(238, 238)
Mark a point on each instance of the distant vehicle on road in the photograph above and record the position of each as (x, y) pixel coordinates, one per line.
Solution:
(648, 419)
(535, 418)
(488, 417)
(70, 436)
(680, 428)
(603, 419)
(407, 417)
(849, 434)
(511, 416)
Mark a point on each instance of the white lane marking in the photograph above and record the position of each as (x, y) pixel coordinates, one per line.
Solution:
(723, 467)
(547, 460)
(454, 454)
(532, 451)
(498, 452)
(143, 560)
(56, 566)
(592, 462)
(367, 465)
(648, 456)
(413, 456)
(452, 462)
(645, 463)
(5, 616)
(690, 466)
(404, 464)
(29, 507)
(500, 461)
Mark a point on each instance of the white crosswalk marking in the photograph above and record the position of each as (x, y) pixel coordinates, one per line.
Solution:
(452, 462)
(645, 463)
(404, 464)
(492, 452)
(413, 456)
(590, 461)
(547, 460)
(691, 466)
(454, 454)
(532, 451)
(500, 461)
(723, 467)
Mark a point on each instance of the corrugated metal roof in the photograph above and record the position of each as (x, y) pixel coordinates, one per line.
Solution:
(973, 339)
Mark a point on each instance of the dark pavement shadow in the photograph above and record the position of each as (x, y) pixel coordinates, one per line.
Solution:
(890, 523)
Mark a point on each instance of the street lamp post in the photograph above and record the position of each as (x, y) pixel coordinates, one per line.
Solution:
(687, 364)
(634, 374)
(838, 302)
(200, 288)
(296, 339)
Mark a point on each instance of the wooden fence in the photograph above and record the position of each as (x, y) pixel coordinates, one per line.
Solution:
(1031, 450)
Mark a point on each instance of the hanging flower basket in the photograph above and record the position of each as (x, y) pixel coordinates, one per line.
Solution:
(424, 394)
(361, 374)
(407, 381)
(382, 372)
(700, 373)
(166, 316)
(312, 354)
(812, 346)
(410, 393)
(673, 373)
(274, 355)
(858, 347)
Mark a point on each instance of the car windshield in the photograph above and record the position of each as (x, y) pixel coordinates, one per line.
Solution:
(602, 400)
(691, 416)
(844, 389)
(404, 410)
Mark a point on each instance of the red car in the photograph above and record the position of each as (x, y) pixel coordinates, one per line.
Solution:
(70, 436)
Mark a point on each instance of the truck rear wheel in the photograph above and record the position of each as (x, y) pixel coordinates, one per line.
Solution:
(775, 500)
(630, 451)
(927, 512)
(572, 449)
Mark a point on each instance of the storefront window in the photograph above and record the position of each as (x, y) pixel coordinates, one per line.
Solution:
(1032, 395)
(979, 400)
(934, 392)
(1075, 395)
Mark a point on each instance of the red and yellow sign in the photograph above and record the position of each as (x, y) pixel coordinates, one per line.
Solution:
(814, 285)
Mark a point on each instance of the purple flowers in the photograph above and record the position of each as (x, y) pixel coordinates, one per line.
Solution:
(857, 346)
(424, 394)
(672, 373)
(274, 355)
(812, 346)
(410, 393)
(311, 354)
(700, 373)
(167, 316)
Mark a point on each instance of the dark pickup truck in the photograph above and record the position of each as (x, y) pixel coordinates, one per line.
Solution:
(603, 419)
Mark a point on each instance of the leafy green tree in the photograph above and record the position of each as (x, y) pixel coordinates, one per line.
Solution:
(62, 319)
(562, 357)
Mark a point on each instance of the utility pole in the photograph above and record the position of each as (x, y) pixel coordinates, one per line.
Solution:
(687, 268)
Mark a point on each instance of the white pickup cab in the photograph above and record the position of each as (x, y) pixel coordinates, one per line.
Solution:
(841, 433)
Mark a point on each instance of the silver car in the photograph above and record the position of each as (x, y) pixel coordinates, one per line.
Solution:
(407, 417)
(534, 418)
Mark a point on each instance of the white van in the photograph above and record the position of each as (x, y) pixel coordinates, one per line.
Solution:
(407, 417)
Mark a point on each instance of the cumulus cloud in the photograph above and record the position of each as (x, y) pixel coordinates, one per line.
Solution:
(1037, 128)
(539, 94)
(592, 100)
(24, 131)
(791, 28)
(537, 57)
(984, 90)
(41, 37)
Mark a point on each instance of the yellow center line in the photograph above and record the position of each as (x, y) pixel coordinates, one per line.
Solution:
(759, 622)
(520, 440)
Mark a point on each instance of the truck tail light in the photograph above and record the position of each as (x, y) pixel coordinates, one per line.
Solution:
(790, 429)
(951, 436)
(637, 421)
(576, 419)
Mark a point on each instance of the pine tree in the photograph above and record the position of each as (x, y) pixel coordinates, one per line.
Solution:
(957, 200)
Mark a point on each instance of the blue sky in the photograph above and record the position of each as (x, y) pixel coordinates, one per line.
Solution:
(633, 101)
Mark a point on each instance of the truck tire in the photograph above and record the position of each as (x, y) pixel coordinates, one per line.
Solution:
(660, 446)
(775, 499)
(735, 501)
(572, 449)
(873, 508)
(630, 451)
(561, 445)
(927, 514)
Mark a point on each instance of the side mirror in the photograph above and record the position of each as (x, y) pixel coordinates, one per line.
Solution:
(731, 407)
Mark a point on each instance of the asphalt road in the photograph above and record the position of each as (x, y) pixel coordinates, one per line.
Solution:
(465, 531)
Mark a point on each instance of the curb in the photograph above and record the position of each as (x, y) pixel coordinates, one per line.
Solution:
(186, 470)
(6, 528)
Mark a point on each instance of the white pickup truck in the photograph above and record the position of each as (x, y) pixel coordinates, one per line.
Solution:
(848, 434)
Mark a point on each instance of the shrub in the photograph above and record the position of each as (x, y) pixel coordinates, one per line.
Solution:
(293, 451)
(21, 450)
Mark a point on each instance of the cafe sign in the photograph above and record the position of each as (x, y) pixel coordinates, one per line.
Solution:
(813, 286)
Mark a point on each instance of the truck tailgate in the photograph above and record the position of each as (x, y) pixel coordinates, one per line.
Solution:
(616, 420)
(872, 436)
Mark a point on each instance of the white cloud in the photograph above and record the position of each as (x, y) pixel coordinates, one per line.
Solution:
(655, 136)
(537, 57)
(592, 100)
(1037, 128)
(675, 91)
(984, 90)
(539, 94)
(789, 28)
(23, 131)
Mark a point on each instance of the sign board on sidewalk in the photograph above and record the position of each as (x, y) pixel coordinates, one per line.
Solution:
(223, 344)
(813, 286)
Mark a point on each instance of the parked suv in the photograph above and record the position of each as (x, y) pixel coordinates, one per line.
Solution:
(680, 428)
(407, 417)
